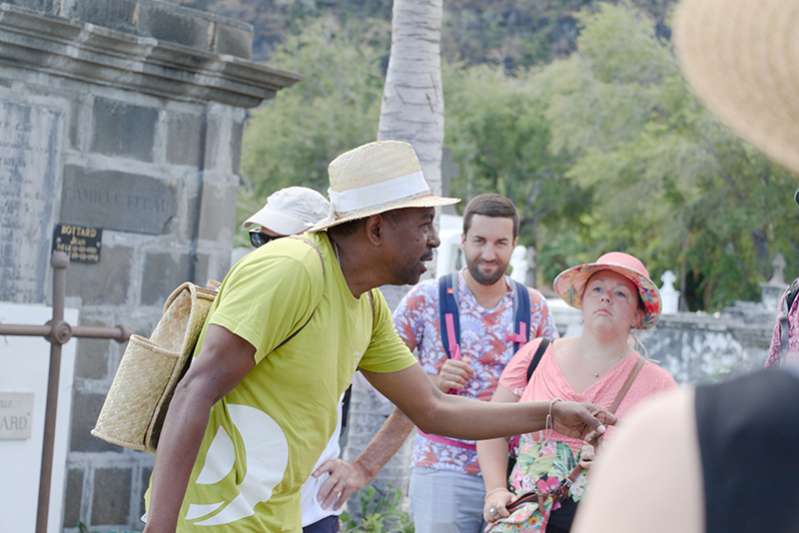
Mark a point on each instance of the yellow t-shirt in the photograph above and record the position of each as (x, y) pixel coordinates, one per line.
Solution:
(264, 436)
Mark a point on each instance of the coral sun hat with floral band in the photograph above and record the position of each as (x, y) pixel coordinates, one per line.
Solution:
(374, 178)
(570, 283)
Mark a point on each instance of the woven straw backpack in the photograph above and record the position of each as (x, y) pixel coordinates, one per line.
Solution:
(136, 404)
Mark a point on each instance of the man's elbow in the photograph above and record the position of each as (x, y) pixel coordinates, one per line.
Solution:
(195, 390)
(428, 417)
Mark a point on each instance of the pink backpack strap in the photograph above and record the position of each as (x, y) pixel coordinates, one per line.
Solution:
(449, 320)
(438, 439)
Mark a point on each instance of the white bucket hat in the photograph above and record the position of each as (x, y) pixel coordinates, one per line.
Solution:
(742, 59)
(375, 178)
(290, 211)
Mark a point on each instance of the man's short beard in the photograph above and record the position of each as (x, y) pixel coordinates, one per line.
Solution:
(481, 278)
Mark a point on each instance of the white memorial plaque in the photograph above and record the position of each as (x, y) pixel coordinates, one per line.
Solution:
(16, 412)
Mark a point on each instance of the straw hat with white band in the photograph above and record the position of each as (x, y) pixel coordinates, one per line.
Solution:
(742, 59)
(375, 178)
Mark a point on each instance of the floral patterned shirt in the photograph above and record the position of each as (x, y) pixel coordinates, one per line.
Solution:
(792, 352)
(484, 342)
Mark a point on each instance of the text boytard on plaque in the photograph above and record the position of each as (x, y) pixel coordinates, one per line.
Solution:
(16, 415)
(81, 243)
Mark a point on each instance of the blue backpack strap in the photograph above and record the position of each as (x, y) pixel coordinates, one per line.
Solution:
(448, 316)
(521, 318)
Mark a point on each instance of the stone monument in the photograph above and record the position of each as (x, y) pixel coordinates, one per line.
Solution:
(122, 120)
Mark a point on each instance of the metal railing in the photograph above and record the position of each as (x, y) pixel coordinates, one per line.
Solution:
(57, 332)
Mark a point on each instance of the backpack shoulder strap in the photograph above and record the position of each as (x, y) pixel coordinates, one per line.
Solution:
(521, 317)
(539, 353)
(790, 294)
(448, 316)
(313, 245)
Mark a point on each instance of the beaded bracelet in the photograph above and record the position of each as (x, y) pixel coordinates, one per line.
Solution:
(549, 423)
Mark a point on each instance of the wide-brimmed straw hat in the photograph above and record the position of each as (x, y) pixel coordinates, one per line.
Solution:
(742, 59)
(375, 178)
(289, 211)
(570, 283)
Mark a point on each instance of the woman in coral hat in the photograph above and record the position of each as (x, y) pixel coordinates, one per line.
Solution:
(616, 296)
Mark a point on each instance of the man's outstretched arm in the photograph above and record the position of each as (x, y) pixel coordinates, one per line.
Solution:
(455, 416)
(223, 362)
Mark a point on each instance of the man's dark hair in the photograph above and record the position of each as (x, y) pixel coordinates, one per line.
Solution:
(347, 228)
(490, 205)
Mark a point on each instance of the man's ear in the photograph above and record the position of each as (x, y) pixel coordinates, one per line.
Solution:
(375, 229)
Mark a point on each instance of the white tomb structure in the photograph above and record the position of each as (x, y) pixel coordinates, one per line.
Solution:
(24, 364)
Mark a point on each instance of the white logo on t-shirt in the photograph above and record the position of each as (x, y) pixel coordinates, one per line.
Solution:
(267, 454)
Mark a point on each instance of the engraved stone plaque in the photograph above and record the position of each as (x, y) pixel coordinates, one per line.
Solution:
(117, 200)
(30, 144)
(16, 413)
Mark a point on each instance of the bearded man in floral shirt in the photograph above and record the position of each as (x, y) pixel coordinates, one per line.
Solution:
(447, 489)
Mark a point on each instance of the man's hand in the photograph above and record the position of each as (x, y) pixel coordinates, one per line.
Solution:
(453, 375)
(344, 480)
(580, 420)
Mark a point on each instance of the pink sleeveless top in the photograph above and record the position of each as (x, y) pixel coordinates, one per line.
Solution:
(548, 382)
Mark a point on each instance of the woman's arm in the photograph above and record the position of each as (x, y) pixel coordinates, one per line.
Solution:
(493, 457)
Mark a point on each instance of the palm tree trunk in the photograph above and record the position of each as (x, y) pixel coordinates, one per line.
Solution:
(413, 99)
(413, 111)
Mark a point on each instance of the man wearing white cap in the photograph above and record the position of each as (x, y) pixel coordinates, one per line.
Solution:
(291, 323)
(289, 211)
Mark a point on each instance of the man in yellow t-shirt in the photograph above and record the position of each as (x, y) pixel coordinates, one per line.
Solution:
(292, 322)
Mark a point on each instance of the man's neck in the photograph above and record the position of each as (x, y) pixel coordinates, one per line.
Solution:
(487, 296)
(354, 266)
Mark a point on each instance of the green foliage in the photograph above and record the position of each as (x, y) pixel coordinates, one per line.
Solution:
(291, 139)
(513, 34)
(498, 135)
(378, 512)
(666, 181)
(606, 149)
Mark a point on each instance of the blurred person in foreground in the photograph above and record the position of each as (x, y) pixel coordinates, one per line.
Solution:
(615, 296)
(718, 458)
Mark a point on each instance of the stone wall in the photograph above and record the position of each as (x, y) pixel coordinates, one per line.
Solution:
(125, 115)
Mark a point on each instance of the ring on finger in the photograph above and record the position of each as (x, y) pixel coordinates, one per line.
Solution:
(492, 511)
